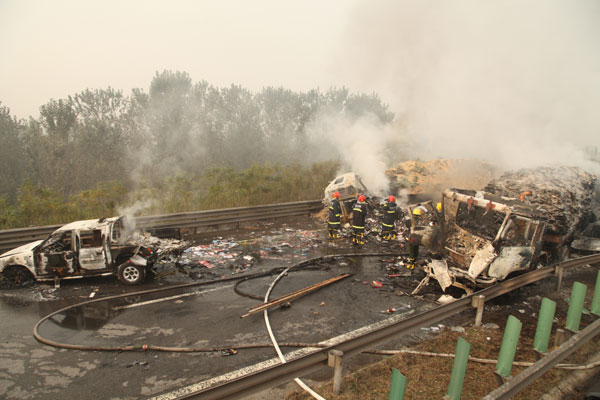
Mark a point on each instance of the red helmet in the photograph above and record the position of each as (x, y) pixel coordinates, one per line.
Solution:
(336, 195)
(362, 197)
(391, 198)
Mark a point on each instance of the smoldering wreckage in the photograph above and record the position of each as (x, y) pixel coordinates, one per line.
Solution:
(519, 221)
(469, 238)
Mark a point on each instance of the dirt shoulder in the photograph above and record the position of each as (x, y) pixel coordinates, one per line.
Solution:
(428, 376)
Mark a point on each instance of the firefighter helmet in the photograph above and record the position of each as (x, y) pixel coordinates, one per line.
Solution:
(336, 195)
(362, 198)
(438, 207)
(391, 198)
(416, 211)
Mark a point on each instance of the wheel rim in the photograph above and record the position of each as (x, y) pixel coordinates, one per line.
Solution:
(131, 274)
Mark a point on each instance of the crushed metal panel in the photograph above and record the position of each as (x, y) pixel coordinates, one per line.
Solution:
(586, 244)
(481, 261)
(589, 240)
(441, 273)
(509, 260)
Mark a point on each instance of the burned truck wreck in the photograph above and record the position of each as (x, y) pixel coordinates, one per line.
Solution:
(530, 220)
(486, 239)
(79, 249)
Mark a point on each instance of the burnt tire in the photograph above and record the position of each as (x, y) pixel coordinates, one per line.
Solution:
(131, 274)
(17, 276)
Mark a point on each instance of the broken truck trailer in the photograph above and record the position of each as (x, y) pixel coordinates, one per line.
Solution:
(487, 236)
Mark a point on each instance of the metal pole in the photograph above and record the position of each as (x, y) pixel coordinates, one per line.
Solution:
(509, 346)
(398, 385)
(478, 302)
(559, 273)
(335, 361)
(459, 368)
(544, 325)
(576, 306)
(596, 300)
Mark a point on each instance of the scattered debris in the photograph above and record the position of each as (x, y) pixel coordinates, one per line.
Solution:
(292, 296)
(491, 325)
(445, 299)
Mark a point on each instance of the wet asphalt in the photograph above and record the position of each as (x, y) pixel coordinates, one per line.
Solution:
(208, 316)
(204, 316)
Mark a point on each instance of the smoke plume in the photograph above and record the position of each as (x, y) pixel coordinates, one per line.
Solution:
(516, 83)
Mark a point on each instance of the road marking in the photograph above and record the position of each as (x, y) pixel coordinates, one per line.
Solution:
(194, 293)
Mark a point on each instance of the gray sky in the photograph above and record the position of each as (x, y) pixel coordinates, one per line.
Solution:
(509, 81)
(51, 49)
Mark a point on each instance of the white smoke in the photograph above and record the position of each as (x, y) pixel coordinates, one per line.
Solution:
(513, 82)
(129, 212)
(360, 144)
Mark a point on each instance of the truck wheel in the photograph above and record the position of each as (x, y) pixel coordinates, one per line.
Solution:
(131, 274)
(17, 276)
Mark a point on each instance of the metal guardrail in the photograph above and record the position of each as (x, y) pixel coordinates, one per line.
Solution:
(272, 376)
(519, 382)
(190, 221)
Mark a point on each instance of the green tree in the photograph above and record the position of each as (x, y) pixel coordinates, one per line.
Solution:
(12, 154)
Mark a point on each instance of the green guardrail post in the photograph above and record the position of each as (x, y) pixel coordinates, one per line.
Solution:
(576, 306)
(509, 346)
(398, 385)
(544, 325)
(596, 300)
(459, 368)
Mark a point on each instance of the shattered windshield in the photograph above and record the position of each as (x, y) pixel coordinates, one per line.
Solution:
(479, 221)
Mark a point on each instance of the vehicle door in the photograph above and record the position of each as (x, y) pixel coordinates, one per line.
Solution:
(55, 255)
(92, 255)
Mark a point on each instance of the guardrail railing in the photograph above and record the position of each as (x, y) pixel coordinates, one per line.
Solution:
(190, 221)
(272, 376)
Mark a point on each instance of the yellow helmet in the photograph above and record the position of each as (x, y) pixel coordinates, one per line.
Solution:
(438, 206)
(416, 211)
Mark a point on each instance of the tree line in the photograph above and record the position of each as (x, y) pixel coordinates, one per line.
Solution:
(181, 144)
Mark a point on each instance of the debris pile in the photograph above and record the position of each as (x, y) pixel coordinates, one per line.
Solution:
(565, 194)
(167, 250)
(221, 256)
(432, 177)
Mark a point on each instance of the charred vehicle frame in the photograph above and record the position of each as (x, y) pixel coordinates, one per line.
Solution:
(80, 249)
(479, 238)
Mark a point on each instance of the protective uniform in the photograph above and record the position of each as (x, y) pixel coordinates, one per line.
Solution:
(334, 222)
(390, 211)
(414, 241)
(359, 215)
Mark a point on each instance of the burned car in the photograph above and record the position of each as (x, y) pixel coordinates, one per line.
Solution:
(349, 186)
(485, 239)
(96, 247)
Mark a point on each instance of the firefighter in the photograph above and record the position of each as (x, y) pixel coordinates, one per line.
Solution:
(390, 212)
(359, 215)
(414, 239)
(335, 212)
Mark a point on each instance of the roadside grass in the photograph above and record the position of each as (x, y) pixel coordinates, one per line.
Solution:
(428, 377)
(213, 189)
